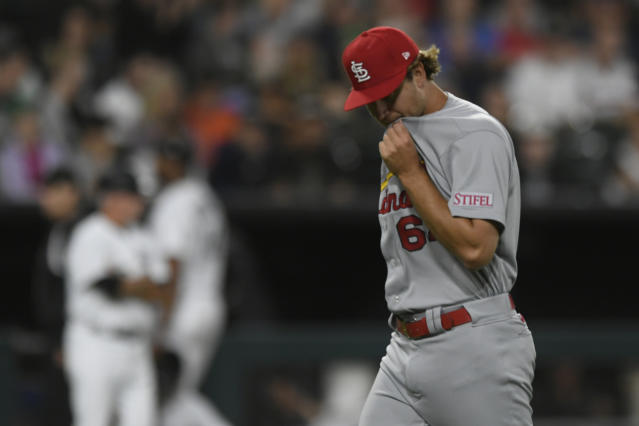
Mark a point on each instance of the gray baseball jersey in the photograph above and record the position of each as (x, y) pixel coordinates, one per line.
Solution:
(478, 373)
(470, 158)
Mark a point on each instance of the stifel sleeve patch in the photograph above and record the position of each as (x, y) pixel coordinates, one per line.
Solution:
(473, 199)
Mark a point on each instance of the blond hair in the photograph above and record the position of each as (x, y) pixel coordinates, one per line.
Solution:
(428, 58)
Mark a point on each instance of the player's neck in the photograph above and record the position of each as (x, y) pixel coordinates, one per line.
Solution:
(114, 218)
(436, 98)
(168, 180)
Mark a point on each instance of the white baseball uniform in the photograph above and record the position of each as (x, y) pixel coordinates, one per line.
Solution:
(480, 372)
(189, 225)
(107, 342)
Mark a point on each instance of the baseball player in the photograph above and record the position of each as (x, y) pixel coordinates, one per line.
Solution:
(449, 213)
(112, 292)
(189, 226)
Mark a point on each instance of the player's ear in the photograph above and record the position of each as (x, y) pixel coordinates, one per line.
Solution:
(418, 75)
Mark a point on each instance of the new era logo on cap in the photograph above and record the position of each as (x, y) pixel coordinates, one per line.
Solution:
(376, 63)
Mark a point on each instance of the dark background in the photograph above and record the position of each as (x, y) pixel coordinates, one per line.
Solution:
(325, 264)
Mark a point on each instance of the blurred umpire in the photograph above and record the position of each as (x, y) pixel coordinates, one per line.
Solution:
(113, 298)
(61, 203)
(189, 225)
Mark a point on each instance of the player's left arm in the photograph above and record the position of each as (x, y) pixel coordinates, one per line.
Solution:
(170, 289)
(158, 282)
(473, 241)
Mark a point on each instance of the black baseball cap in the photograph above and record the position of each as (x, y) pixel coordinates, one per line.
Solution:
(60, 175)
(118, 180)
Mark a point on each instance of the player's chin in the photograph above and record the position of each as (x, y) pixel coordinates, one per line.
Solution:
(387, 120)
(390, 121)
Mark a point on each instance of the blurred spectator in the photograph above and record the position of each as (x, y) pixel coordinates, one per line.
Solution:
(332, 97)
(211, 119)
(304, 167)
(600, 14)
(246, 161)
(58, 104)
(623, 184)
(163, 98)
(542, 88)
(494, 100)
(27, 157)
(73, 40)
(405, 14)
(77, 51)
(19, 82)
(302, 69)
(274, 107)
(535, 154)
(120, 100)
(467, 43)
(60, 201)
(328, 37)
(272, 24)
(340, 22)
(607, 78)
(95, 153)
(163, 95)
(159, 27)
(518, 24)
(103, 54)
(217, 46)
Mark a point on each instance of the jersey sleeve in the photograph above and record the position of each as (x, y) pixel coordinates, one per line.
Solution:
(86, 260)
(480, 165)
(156, 265)
(172, 229)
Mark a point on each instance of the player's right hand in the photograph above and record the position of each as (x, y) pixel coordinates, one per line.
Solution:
(398, 150)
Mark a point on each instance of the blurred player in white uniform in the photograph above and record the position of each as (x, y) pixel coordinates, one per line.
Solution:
(189, 226)
(113, 296)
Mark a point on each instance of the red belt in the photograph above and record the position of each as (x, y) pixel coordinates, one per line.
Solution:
(419, 329)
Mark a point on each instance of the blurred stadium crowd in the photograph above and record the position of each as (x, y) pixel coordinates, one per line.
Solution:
(257, 87)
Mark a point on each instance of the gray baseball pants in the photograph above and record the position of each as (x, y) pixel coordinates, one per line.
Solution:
(476, 374)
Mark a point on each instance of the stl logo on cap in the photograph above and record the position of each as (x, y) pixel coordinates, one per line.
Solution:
(360, 73)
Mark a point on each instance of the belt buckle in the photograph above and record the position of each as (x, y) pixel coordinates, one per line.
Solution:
(402, 327)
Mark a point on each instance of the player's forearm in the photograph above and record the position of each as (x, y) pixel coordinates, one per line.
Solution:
(116, 287)
(142, 288)
(458, 235)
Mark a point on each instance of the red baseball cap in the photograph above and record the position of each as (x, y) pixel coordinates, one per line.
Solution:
(376, 62)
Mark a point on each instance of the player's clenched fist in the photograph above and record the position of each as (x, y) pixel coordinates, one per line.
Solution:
(398, 150)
